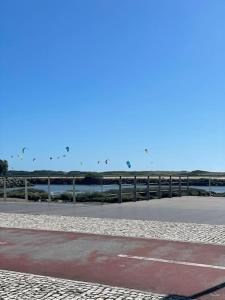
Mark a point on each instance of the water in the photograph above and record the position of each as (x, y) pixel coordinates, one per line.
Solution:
(81, 188)
(217, 189)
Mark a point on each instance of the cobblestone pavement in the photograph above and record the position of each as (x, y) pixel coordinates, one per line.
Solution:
(185, 232)
(22, 286)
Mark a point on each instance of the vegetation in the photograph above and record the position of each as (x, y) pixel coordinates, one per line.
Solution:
(45, 173)
(13, 182)
(92, 178)
(111, 196)
(3, 167)
(34, 194)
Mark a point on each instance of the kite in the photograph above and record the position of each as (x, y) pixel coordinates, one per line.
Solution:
(50, 158)
(34, 159)
(67, 149)
(146, 150)
(23, 150)
(81, 163)
(106, 161)
(64, 155)
(128, 164)
(58, 157)
(11, 156)
(98, 162)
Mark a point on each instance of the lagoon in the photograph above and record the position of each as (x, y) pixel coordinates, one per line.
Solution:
(82, 188)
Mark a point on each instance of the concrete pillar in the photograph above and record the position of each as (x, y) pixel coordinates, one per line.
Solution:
(171, 187)
(120, 190)
(180, 190)
(210, 194)
(148, 188)
(159, 188)
(188, 186)
(74, 193)
(135, 188)
(4, 189)
(26, 190)
(49, 190)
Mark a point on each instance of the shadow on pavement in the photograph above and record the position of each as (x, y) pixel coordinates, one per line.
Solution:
(197, 295)
(176, 297)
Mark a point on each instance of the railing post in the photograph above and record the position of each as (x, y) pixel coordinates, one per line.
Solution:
(26, 191)
(159, 188)
(102, 190)
(4, 189)
(171, 189)
(210, 193)
(148, 188)
(120, 190)
(180, 191)
(74, 194)
(188, 187)
(49, 190)
(135, 188)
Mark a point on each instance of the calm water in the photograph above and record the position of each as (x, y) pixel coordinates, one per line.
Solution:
(81, 188)
(217, 189)
(60, 188)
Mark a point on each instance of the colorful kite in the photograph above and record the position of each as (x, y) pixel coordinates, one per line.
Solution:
(23, 150)
(128, 164)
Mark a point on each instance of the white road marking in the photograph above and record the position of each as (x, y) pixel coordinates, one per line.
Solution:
(168, 261)
(3, 243)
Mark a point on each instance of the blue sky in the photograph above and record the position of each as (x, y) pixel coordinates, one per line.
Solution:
(110, 78)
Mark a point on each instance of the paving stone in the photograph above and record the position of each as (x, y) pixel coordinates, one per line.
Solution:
(21, 286)
(185, 232)
(27, 286)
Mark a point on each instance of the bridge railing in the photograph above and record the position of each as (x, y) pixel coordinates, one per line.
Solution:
(122, 188)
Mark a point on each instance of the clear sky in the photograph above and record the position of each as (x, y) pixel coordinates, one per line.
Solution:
(109, 78)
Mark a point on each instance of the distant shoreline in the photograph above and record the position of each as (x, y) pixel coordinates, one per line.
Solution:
(19, 181)
(45, 173)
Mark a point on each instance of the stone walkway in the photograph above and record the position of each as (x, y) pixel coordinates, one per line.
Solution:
(22, 286)
(27, 286)
(185, 232)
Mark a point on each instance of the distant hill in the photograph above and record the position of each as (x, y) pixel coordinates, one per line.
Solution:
(200, 172)
(45, 173)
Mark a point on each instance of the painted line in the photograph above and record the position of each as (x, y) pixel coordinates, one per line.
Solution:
(3, 243)
(168, 261)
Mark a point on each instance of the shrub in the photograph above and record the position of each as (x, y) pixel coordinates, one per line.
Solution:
(3, 167)
(92, 178)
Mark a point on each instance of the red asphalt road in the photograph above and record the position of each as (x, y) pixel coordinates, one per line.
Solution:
(94, 258)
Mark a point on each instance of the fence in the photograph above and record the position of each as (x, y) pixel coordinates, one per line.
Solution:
(113, 189)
